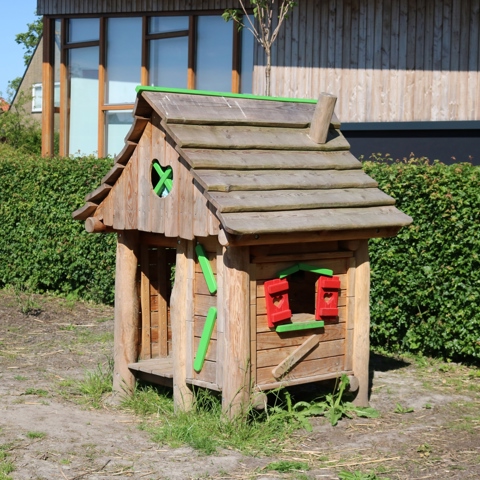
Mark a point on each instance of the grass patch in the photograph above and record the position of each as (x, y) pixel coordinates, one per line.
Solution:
(205, 427)
(35, 435)
(283, 466)
(95, 385)
(39, 392)
(6, 465)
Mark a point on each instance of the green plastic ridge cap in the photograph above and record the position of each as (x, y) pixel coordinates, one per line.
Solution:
(205, 339)
(208, 93)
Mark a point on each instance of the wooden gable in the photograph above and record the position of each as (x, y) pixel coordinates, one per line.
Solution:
(132, 204)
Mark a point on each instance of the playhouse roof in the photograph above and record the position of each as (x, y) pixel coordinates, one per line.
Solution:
(260, 171)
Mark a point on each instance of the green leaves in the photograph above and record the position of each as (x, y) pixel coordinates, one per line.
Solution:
(425, 285)
(42, 248)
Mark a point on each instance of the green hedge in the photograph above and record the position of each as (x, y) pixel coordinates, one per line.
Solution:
(425, 295)
(41, 247)
(425, 281)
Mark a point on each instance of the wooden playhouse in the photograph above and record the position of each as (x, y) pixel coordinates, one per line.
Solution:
(266, 216)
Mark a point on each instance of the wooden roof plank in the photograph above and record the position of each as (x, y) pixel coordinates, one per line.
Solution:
(313, 220)
(84, 212)
(230, 180)
(220, 110)
(251, 137)
(113, 174)
(98, 194)
(124, 156)
(268, 159)
(277, 200)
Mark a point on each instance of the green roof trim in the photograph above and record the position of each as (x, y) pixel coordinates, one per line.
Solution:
(144, 88)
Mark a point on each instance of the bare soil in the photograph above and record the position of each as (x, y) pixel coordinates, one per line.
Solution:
(49, 435)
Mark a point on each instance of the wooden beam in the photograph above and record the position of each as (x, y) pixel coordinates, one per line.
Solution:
(94, 225)
(322, 117)
(361, 340)
(47, 87)
(236, 363)
(126, 313)
(288, 363)
(181, 312)
(226, 239)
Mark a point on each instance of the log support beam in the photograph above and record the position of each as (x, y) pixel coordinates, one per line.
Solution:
(322, 118)
(181, 312)
(361, 337)
(237, 365)
(126, 313)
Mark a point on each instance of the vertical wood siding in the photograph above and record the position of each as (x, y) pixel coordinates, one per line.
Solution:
(397, 60)
(85, 7)
(402, 60)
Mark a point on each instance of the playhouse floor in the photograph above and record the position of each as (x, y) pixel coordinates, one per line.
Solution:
(155, 370)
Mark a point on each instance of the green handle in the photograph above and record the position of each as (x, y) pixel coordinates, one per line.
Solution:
(292, 327)
(205, 339)
(206, 269)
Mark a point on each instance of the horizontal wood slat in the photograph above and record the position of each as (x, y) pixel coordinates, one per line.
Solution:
(267, 201)
(251, 137)
(231, 180)
(268, 159)
(304, 369)
(218, 110)
(313, 220)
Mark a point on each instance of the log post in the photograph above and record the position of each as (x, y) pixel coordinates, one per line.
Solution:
(361, 336)
(181, 312)
(236, 365)
(126, 312)
(322, 117)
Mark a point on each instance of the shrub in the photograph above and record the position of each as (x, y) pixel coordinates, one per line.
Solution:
(41, 246)
(425, 295)
(18, 129)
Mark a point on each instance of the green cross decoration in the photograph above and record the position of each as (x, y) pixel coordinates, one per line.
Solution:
(165, 183)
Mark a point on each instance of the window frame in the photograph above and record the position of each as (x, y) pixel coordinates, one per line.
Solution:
(103, 108)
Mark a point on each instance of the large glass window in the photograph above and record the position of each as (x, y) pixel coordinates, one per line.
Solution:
(168, 24)
(214, 54)
(246, 61)
(124, 59)
(169, 62)
(117, 125)
(185, 51)
(83, 75)
(83, 30)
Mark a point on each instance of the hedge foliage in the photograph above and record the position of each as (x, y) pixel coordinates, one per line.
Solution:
(425, 282)
(41, 247)
(425, 295)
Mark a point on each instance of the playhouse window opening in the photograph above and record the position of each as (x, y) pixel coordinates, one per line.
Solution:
(162, 178)
(301, 293)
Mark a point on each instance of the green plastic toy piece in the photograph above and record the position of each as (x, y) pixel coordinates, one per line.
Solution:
(305, 268)
(206, 269)
(165, 183)
(205, 339)
(288, 271)
(292, 327)
(321, 271)
(145, 88)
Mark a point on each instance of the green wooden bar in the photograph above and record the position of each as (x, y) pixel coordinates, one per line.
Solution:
(205, 339)
(206, 269)
(292, 327)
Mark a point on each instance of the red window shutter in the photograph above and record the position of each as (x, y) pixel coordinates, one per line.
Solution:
(276, 298)
(327, 297)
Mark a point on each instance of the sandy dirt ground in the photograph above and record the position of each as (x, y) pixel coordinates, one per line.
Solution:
(47, 434)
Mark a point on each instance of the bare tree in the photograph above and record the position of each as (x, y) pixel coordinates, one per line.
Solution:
(267, 30)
